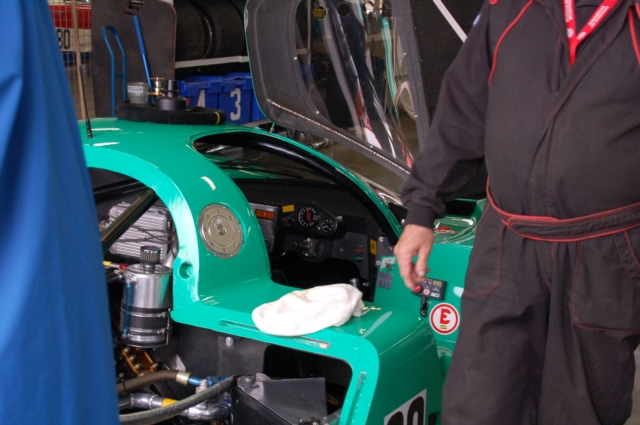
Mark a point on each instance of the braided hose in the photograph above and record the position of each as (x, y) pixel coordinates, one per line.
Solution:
(148, 379)
(149, 417)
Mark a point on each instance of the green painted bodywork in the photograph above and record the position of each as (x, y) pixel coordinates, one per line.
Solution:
(391, 349)
(448, 261)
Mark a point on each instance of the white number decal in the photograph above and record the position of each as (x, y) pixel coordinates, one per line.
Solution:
(411, 413)
(201, 99)
(235, 116)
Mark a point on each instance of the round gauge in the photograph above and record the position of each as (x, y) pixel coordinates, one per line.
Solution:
(308, 216)
(288, 219)
(328, 225)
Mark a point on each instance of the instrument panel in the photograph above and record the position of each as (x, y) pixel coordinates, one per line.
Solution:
(309, 218)
(304, 219)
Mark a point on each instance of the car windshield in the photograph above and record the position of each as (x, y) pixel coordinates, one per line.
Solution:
(352, 62)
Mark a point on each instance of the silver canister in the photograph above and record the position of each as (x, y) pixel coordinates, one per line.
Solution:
(138, 92)
(146, 303)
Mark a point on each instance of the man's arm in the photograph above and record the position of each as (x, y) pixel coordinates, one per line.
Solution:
(454, 151)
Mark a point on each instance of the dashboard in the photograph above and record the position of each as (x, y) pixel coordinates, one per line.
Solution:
(307, 220)
(316, 234)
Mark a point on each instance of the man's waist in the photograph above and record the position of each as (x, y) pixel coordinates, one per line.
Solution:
(551, 229)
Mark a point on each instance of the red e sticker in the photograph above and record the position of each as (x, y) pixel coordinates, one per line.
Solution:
(444, 319)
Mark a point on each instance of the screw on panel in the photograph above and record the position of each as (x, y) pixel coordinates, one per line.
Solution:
(381, 239)
(228, 341)
(377, 263)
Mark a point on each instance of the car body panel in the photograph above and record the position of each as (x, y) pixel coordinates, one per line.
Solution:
(390, 349)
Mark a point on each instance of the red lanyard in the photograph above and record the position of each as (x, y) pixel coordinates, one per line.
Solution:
(570, 21)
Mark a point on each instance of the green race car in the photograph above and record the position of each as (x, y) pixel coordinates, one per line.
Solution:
(230, 217)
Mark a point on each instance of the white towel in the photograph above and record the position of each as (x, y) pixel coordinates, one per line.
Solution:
(308, 311)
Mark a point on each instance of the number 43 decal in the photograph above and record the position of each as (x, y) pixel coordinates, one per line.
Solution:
(411, 413)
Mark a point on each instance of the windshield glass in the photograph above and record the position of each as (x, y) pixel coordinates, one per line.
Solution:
(352, 62)
(246, 163)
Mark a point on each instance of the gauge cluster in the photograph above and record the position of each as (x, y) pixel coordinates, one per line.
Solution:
(309, 218)
(305, 219)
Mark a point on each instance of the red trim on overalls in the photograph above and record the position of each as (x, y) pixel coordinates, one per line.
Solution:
(511, 25)
(558, 225)
(632, 29)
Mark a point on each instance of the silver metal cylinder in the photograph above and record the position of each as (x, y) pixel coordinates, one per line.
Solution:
(146, 401)
(150, 285)
(146, 302)
(205, 411)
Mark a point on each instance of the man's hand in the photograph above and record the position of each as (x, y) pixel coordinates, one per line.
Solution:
(415, 240)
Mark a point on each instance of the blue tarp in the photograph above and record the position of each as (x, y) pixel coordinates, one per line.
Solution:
(56, 359)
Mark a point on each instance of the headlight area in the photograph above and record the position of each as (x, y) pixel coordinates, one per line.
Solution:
(173, 373)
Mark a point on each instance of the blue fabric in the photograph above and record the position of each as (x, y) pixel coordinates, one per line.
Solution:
(56, 359)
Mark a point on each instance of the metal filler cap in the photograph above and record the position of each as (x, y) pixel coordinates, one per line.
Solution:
(221, 231)
(150, 254)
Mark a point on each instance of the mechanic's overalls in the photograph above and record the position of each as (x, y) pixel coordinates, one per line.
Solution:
(551, 308)
(574, 318)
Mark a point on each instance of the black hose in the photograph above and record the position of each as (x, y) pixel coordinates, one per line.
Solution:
(163, 413)
(148, 379)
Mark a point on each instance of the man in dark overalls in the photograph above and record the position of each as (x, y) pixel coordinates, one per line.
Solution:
(548, 94)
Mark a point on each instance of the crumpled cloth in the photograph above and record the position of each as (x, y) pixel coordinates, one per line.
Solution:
(310, 310)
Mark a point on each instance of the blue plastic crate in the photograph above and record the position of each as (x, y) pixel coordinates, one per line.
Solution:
(201, 90)
(256, 112)
(236, 96)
